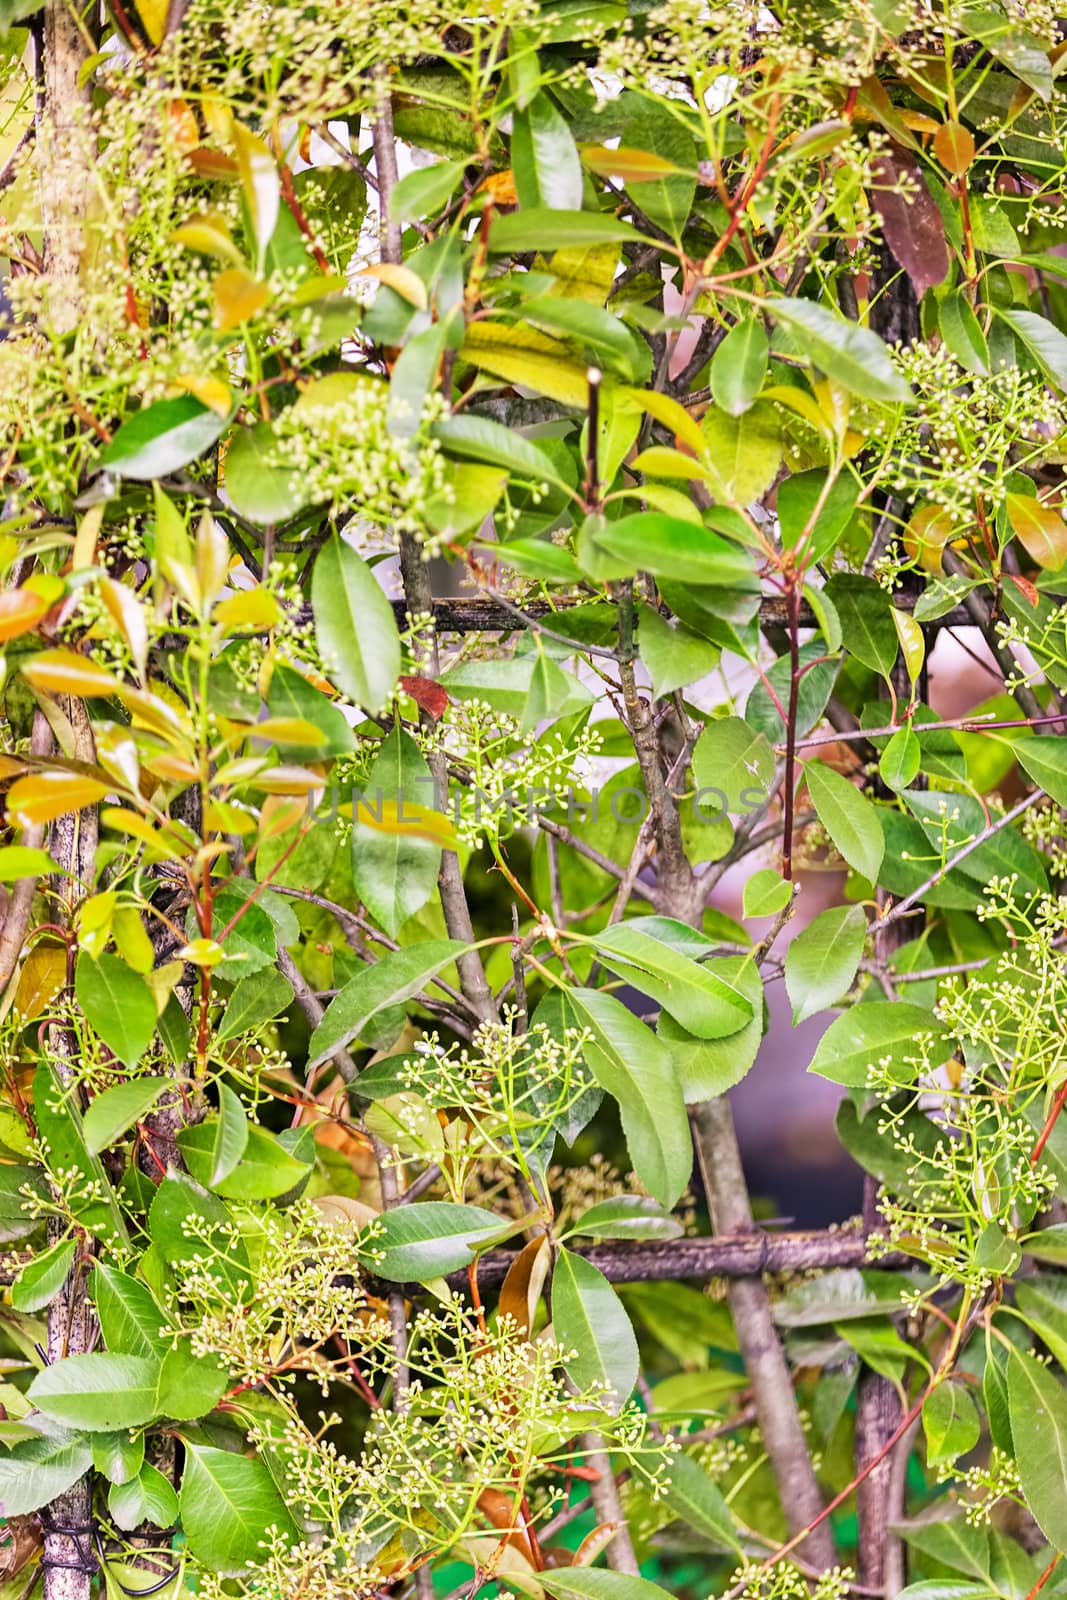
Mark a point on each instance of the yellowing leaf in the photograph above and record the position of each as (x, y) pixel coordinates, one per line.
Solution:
(926, 536)
(1039, 528)
(289, 780)
(20, 611)
(46, 795)
(202, 953)
(407, 284)
(500, 188)
(85, 540)
(211, 392)
(66, 672)
(672, 414)
(248, 608)
(209, 233)
(954, 147)
(212, 559)
(165, 843)
(238, 297)
(404, 817)
(523, 356)
(627, 164)
(912, 643)
(287, 730)
(153, 15)
(279, 813)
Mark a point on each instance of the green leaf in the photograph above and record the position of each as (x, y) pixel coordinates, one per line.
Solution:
(42, 1278)
(766, 893)
(811, 514)
(394, 872)
(673, 655)
(696, 996)
(848, 817)
(852, 356)
(177, 1200)
(37, 1471)
(739, 366)
(161, 438)
(1045, 760)
(627, 1216)
(872, 1032)
(537, 228)
(355, 626)
(413, 1244)
(1043, 339)
(600, 332)
(950, 1422)
(231, 1130)
(116, 1110)
(693, 1495)
(598, 1583)
(734, 761)
(1021, 51)
(635, 1068)
(25, 861)
(900, 760)
(544, 157)
(667, 547)
(131, 1321)
(425, 191)
(59, 1126)
(119, 1456)
(118, 1004)
(843, 1295)
(255, 1000)
(482, 439)
(742, 455)
(260, 488)
(102, 1391)
(962, 333)
(148, 1497)
(1037, 1406)
(17, 1219)
(708, 1067)
(228, 1502)
(867, 625)
(264, 1170)
(389, 982)
(823, 959)
(291, 695)
(590, 1321)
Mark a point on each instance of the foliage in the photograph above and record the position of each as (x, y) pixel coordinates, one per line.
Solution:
(718, 354)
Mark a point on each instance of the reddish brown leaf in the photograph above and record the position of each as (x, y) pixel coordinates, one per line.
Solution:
(1027, 589)
(911, 221)
(427, 694)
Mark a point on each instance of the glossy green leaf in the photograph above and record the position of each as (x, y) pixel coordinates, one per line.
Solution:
(739, 366)
(823, 960)
(412, 1244)
(118, 1003)
(544, 157)
(114, 1112)
(878, 1031)
(228, 1502)
(355, 625)
(388, 982)
(627, 1216)
(695, 995)
(950, 1422)
(766, 893)
(255, 1000)
(43, 1277)
(693, 1495)
(673, 655)
(37, 1471)
(103, 1391)
(1037, 1407)
(848, 817)
(162, 438)
(590, 1322)
(900, 760)
(394, 871)
(849, 354)
(733, 761)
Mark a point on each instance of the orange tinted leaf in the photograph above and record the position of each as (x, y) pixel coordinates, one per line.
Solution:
(212, 164)
(183, 126)
(954, 147)
(500, 188)
(525, 1280)
(129, 617)
(1027, 589)
(287, 730)
(66, 672)
(427, 694)
(43, 796)
(289, 780)
(1039, 528)
(43, 974)
(238, 296)
(20, 611)
(279, 813)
